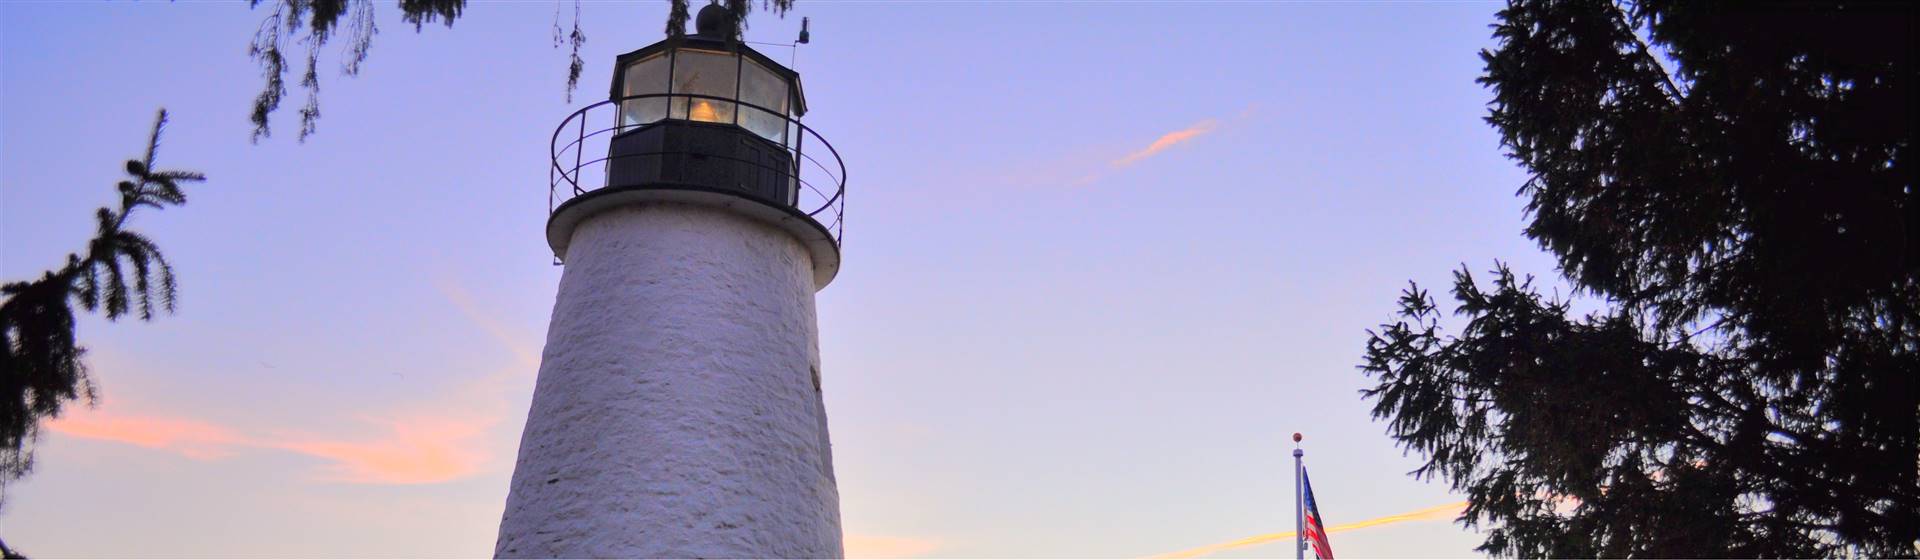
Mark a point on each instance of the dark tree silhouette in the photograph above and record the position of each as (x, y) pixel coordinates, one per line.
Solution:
(121, 273)
(312, 23)
(1735, 183)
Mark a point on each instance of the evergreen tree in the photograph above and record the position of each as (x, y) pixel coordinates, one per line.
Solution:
(120, 273)
(1735, 184)
(319, 20)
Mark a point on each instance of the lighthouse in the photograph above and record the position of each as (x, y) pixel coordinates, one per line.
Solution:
(678, 409)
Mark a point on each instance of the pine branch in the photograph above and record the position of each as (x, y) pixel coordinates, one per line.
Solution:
(39, 356)
(321, 18)
(677, 16)
(361, 29)
(265, 49)
(1623, 19)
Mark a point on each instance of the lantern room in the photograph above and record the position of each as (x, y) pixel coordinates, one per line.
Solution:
(706, 111)
(702, 79)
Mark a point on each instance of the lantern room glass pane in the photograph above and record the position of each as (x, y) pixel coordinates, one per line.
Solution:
(705, 73)
(647, 76)
(760, 86)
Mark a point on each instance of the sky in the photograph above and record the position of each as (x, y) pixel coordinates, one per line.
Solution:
(1101, 261)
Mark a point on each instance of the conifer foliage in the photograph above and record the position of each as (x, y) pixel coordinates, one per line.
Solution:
(320, 20)
(121, 273)
(1735, 184)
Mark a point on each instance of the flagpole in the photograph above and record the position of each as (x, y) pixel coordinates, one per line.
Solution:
(1299, 511)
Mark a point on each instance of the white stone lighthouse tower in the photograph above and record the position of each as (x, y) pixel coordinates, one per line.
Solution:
(678, 410)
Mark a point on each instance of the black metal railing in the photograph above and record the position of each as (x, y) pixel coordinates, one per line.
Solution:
(582, 157)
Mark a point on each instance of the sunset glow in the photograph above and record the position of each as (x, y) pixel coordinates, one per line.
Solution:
(1442, 512)
(1096, 257)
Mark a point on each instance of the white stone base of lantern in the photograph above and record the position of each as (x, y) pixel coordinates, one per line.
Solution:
(678, 411)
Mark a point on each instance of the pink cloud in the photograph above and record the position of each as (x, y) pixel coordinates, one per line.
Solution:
(434, 441)
(192, 438)
(878, 546)
(1091, 164)
(1436, 513)
(420, 450)
(514, 342)
(1168, 140)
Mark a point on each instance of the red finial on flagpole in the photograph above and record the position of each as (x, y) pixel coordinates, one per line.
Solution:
(1296, 437)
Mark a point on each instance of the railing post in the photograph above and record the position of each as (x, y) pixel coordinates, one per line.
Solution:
(580, 146)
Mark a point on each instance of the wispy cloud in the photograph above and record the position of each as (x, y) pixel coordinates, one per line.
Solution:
(514, 342)
(878, 546)
(192, 438)
(1447, 511)
(423, 450)
(1166, 141)
(439, 440)
(1089, 164)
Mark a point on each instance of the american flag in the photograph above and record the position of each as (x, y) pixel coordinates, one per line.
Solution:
(1316, 531)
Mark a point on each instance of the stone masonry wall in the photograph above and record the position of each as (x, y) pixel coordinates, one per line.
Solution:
(677, 411)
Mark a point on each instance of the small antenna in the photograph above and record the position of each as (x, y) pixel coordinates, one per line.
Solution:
(804, 35)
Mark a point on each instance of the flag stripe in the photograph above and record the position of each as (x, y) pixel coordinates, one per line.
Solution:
(1315, 532)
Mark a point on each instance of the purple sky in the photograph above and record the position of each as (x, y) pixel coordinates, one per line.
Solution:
(1101, 260)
